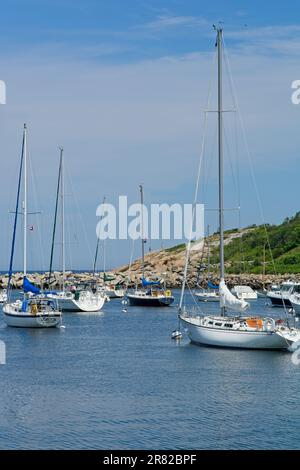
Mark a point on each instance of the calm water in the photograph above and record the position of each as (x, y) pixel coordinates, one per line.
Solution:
(117, 380)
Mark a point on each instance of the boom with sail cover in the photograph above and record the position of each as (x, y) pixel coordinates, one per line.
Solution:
(29, 287)
(228, 300)
(146, 283)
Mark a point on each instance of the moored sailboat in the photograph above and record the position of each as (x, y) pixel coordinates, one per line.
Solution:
(221, 329)
(73, 298)
(33, 310)
(153, 292)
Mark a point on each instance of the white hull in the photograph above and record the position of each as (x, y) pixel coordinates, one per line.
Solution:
(244, 293)
(86, 303)
(232, 339)
(19, 319)
(207, 296)
(114, 294)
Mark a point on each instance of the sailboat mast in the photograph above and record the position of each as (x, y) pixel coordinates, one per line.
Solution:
(62, 195)
(142, 230)
(96, 252)
(55, 218)
(25, 204)
(220, 154)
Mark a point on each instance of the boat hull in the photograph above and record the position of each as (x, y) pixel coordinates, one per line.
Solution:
(233, 339)
(114, 294)
(27, 320)
(207, 298)
(87, 305)
(278, 301)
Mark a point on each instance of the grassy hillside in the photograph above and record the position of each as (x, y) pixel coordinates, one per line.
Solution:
(246, 254)
(244, 249)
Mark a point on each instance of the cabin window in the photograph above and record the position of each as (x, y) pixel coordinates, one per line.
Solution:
(228, 325)
(218, 324)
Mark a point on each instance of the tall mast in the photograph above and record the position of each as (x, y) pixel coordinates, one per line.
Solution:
(142, 231)
(220, 154)
(62, 194)
(25, 203)
(97, 249)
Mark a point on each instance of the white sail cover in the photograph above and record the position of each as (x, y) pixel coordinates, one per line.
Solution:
(228, 300)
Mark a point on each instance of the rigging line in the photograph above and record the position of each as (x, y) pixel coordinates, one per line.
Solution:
(188, 247)
(55, 220)
(250, 161)
(231, 87)
(16, 214)
(206, 170)
(210, 160)
(81, 220)
(230, 162)
(201, 262)
(197, 303)
(34, 190)
(252, 171)
(236, 188)
(129, 266)
(97, 247)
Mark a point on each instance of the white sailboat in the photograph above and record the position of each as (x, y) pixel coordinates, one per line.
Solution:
(33, 310)
(82, 298)
(153, 292)
(222, 330)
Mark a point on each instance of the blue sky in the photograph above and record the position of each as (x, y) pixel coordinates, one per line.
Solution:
(122, 85)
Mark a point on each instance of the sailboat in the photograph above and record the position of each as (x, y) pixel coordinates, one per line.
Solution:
(34, 310)
(211, 293)
(81, 298)
(153, 292)
(221, 329)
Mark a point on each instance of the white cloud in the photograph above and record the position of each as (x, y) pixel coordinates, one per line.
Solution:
(167, 21)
